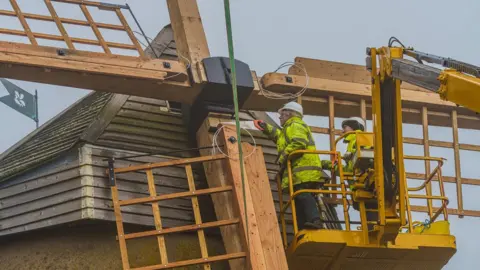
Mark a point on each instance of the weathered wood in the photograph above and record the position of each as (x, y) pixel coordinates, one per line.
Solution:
(34, 216)
(38, 224)
(42, 203)
(265, 213)
(157, 134)
(36, 194)
(189, 34)
(40, 181)
(148, 124)
(417, 74)
(233, 238)
(105, 117)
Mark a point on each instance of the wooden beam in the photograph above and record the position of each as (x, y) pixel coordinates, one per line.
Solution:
(225, 208)
(264, 208)
(339, 72)
(189, 34)
(320, 89)
(243, 198)
(21, 18)
(97, 71)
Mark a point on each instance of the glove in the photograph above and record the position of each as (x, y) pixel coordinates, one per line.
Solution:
(260, 125)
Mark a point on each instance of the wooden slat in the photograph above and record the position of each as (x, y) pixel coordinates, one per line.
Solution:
(426, 153)
(176, 162)
(63, 20)
(186, 228)
(458, 170)
(176, 195)
(446, 179)
(90, 3)
(120, 232)
(24, 23)
(94, 27)
(197, 216)
(162, 248)
(75, 40)
(195, 261)
(59, 24)
(129, 32)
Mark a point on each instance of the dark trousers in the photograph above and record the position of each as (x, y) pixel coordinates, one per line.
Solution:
(306, 204)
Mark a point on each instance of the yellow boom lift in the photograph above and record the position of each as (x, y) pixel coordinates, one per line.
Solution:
(392, 239)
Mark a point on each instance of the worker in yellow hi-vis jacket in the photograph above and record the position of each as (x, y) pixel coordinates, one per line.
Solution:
(306, 169)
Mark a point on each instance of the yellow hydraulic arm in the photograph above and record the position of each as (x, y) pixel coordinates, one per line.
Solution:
(458, 83)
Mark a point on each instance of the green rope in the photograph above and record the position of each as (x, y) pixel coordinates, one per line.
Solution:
(231, 54)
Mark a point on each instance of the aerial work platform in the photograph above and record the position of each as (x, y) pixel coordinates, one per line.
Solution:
(331, 249)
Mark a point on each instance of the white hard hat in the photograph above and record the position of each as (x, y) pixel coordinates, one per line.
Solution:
(292, 106)
(357, 120)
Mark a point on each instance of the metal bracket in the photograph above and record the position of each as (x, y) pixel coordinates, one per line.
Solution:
(111, 172)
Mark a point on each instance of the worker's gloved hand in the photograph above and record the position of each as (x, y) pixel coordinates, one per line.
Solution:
(261, 125)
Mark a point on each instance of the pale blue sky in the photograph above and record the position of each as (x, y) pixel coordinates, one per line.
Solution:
(269, 32)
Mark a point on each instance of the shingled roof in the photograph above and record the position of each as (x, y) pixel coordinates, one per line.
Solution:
(54, 137)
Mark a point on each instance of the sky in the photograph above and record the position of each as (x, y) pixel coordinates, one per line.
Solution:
(270, 32)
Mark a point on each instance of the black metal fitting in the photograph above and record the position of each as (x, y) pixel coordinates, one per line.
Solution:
(232, 139)
(61, 52)
(167, 65)
(288, 79)
(111, 172)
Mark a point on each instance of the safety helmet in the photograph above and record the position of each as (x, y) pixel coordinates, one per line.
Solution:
(355, 123)
(292, 106)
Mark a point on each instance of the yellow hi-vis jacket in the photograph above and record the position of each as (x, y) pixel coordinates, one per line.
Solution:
(296, 135)
(351, 141)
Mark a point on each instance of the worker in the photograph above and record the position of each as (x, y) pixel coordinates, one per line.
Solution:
(306, 168)
(349, 125)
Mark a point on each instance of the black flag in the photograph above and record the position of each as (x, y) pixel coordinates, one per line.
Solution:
(20, 100)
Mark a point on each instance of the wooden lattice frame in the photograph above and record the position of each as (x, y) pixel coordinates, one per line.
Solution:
(59, 21)
(426, 142)
(159, 231)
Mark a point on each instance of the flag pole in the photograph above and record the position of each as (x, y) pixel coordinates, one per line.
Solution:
(36, 107)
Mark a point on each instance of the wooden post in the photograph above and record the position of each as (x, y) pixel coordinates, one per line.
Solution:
(264, 246)
(223, 203)
(189, 34)
(458, 171)
(264, 207)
